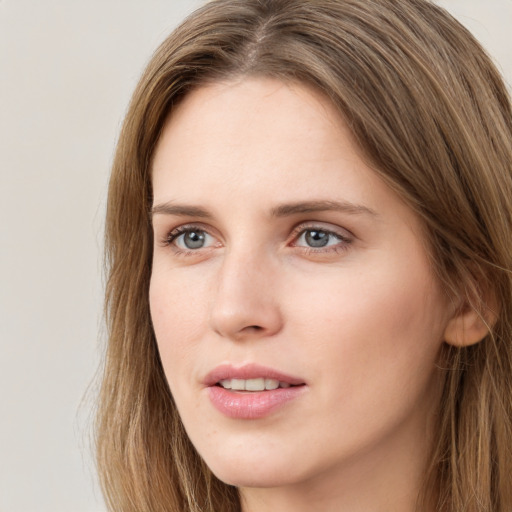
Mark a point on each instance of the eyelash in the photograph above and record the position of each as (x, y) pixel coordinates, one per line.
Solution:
(344, 241)
(174, 234)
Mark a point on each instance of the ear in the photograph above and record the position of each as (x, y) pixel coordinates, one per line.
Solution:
(469, 326)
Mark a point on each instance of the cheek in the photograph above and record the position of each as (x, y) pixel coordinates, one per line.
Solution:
(178, 312)
(365, 326)
(371, 343)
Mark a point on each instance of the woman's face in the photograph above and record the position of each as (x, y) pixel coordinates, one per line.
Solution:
(282, 259)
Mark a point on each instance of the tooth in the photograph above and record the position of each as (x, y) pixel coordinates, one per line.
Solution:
(255, 384)
(226, 384)
(258, 384)
(238, 384)
(271, 384)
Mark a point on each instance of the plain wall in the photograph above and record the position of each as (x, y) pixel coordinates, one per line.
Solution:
(67, 69)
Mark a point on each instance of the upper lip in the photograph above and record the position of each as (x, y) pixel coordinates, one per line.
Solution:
(248, 371)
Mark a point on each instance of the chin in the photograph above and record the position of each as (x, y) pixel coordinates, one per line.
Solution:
(246, 471)
(247, 477)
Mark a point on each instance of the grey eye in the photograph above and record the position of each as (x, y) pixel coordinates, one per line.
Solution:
(192, 239)
(316, 238)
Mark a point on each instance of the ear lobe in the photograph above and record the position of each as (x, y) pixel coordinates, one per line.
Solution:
(468, 326)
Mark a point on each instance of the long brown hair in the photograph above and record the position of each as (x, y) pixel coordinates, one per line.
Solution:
(432, 116)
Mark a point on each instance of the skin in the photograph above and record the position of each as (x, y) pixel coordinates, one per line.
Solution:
(360, 321)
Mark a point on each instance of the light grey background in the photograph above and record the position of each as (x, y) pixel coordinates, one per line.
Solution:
(67, 69)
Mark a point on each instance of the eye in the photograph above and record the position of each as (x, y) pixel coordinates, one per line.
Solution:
(318, 238)
(190, 238)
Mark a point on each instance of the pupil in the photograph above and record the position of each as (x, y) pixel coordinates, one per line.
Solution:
(194, 239)
(317, 238)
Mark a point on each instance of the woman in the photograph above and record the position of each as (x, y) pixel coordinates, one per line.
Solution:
(309, 250)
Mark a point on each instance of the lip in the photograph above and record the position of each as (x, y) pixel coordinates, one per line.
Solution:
(251, 405)
(248, 371)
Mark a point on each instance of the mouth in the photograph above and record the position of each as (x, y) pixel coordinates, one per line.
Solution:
(251, 392)
(254, 385)
(251, 378)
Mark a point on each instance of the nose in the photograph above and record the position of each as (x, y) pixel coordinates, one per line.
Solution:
(245, 305)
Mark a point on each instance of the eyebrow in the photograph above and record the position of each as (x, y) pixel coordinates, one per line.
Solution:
(180, 210)
(321, 206)
(284, 210)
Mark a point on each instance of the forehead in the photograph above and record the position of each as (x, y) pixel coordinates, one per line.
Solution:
(248, 112)
(241, 132)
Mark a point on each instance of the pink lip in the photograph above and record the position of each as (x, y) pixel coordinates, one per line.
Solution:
(255, 404)
(248, 371)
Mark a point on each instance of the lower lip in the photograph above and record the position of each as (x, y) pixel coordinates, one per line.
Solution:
(253, 404)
